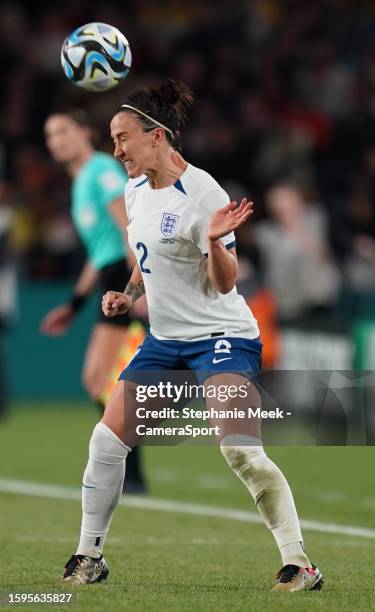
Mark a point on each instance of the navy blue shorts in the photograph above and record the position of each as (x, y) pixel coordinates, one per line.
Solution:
(203, 357)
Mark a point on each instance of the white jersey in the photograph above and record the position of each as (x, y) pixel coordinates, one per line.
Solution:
(168, 234)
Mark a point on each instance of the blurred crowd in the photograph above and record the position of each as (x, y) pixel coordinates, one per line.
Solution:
(284, 114)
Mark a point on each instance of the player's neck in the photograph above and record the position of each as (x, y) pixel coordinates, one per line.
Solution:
(76, 164)
(167, 172)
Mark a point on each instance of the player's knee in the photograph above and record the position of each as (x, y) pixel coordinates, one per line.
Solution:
(240, 450)
(247, 458)
(106, 447)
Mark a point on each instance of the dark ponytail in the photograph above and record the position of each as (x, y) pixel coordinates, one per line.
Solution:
(169, 104)
(174, 95)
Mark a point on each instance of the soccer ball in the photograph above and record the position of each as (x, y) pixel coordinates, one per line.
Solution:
(96, 56)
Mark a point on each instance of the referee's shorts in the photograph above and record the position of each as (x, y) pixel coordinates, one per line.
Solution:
(113, 277)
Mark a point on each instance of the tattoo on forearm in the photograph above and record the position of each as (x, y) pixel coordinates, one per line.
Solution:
(135, 290)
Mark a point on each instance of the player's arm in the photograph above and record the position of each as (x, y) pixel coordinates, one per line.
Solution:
(116, 303)
(221, 262)
(57, 321)
(135, 287)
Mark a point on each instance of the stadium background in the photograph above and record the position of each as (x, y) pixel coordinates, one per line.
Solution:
(285, 91)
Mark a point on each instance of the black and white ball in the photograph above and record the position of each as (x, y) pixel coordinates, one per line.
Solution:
(96, 56)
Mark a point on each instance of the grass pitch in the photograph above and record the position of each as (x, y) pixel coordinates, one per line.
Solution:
(164, 560)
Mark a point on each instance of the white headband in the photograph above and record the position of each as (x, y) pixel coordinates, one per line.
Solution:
(148, 117)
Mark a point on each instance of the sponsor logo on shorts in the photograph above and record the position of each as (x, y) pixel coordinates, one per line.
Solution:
(218, 360)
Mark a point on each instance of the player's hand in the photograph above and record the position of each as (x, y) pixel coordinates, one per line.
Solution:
(115, 303)
(229, 218)
(57, 321)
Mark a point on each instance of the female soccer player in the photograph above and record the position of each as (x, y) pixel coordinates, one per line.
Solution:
(98, 215)
(181, 225)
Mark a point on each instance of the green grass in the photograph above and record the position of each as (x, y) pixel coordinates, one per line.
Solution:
(162, 561)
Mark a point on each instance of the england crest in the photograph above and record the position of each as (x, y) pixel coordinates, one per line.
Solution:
(169, 224)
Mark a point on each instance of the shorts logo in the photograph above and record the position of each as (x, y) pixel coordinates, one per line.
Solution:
(169, 224)
(222, 346)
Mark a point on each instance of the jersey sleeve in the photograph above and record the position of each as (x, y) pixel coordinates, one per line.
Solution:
(211, 202)
(111, 180)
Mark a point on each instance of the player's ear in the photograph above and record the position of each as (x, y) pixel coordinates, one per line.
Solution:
(157, 136)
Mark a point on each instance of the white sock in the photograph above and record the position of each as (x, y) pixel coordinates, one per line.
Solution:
(101, 490)
(271, 492)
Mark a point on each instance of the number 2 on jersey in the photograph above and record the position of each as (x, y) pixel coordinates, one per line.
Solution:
(141, 245)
